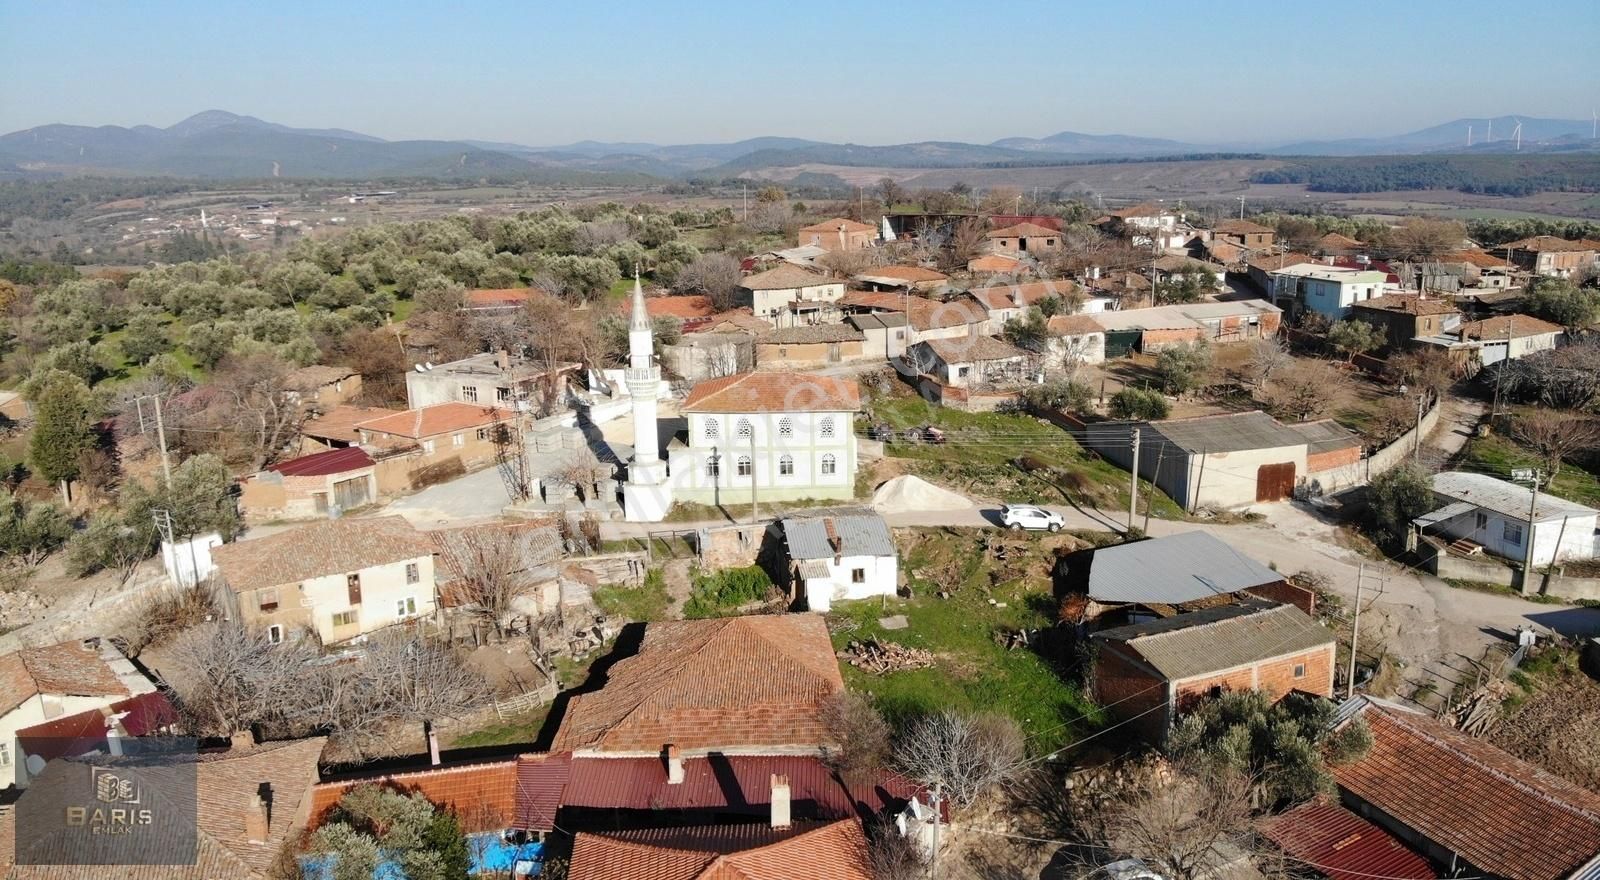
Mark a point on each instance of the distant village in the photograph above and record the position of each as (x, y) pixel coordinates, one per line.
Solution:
(922, 544)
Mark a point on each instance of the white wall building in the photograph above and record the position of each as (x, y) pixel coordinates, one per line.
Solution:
(42, 684)
(839, 557)
(1331, 292)
(1513, 336)
(770, 294)
(1494, 514)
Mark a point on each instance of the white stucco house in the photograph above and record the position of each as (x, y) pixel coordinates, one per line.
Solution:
(1495, 515)
(38, 685)
(780, 295)
(342, 579)
(1330, 293)
(1074, 340)
(839, 557)
(1513, 336)
(972, 361)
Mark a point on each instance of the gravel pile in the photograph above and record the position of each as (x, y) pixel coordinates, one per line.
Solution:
(908, 494)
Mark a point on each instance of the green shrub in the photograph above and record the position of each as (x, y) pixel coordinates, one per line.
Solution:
(1139, 403)
(716, 593)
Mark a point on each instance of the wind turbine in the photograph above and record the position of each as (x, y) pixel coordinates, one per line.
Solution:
(1517, 133)
(1490, 138)
(1469, 135)
(1594, 133)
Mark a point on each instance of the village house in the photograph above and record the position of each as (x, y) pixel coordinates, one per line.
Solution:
(1074, 339)
(1147, 330)
(786, 295)
(675, 698)
(1482, 270)
(341, 579)
(810, 346)
(1144, 217)
(14, 408)
(1175, 269)
(1331, 292)
(837, 557)
(1335, 244)
(957, 317)
(1150, 673)
(1250, 236)
(496, 300)
(973, 361)
(1470, 807)
(805, 257)
(1480, 512)
(783, 848)
(1159, 578)
(1405, 317)
(1276, 275)
(336, 428)
(1128, 289)
(417, 446)
(44, 684)
(710, 354)
(322, 387)
(995, 264)
(497, 378)
(1513, 336)
(310, 486)
(914, 278)
(245, 805)
(1227, 460)
(1011, 301)
(838, 234)
(791, 434)
(1024, 238)
(884, 333)
(1550, 256)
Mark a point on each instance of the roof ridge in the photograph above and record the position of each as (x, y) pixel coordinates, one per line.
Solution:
(1442, 743)
(671, 673)
(1252, 612)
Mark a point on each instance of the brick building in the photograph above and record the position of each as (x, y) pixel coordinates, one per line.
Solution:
(1150, 673)
(1245, 234)
(311, 485)
(1403, 317)
(838, 234)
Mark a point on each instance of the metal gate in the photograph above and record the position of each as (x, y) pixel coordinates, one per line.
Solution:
(1120, 343)
(350, 494)
(1275, 482)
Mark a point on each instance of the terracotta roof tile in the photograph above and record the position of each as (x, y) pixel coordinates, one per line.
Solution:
(484, 795)
(1549, 243)
(832, 225)
(836, 850)
(1406, 304)
(1504, 816)
(1241, 227)
(1072, 325)
(1003, 296)
(1519, 325)
(70, 668)
(811, 333)
(1335, 241)
(783, 278)
(1024, 230)
(340, 422)
(993, 263)
(440, 418)
(336, 547)
(1480, 259)
(913, 274)
(971, 349)
(678, 689)
(774, 392)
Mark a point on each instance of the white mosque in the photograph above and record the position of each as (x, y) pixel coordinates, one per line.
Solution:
(776, 436)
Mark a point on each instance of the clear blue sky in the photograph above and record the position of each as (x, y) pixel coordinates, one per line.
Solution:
(868, 72)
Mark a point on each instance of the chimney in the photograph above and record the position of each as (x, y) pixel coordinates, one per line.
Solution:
(842, 245)
(833, 539)
(1016, 296)
(502, 359)
(258, 814)
(433, 742)
(780, 801)
(674, 765)
(1094, 273)
(243, 740)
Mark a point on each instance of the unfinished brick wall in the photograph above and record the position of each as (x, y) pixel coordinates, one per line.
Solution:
(731, 546)
(1274, 676)
(1130, 689)
(1287, 594)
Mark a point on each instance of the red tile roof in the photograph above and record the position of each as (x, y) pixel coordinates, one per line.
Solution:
(1044, 220)
(1241, 227)
(785, 277)
(1003, 296)
(340, 422)
(774, 392)
(503, 297)
(1502, 815)
(338, 546)
(440, 418)
(836, 222)
(678, 689)
(1342, 845)
(334, 461)
(1540, 243)
(1072, 325)
(695, 306)
(1519, 325)
(483, 795)
(1480, 259)
(1406, 304)
(993, 263)
(921, 312)
(69, 668)
(913, 274)
(837, 851)
(1024, 230)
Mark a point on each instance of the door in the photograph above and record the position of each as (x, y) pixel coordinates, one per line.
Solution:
(1275, 482)
(350, 494)
(833, 352)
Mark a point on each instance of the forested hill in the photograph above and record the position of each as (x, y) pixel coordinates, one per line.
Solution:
(1500, 175)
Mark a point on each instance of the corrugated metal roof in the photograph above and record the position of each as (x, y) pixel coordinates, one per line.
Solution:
(877, 321)
(1447, 512)
(1173, 570)
(813, 568)
(1342, 845)
(1223, 637)
(1325, 435)
(860, 534)
(334, 461)
(1505, 498)
(541, 782)
(1233, 432)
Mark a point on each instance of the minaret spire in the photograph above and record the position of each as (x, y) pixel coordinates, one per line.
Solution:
(641, 315)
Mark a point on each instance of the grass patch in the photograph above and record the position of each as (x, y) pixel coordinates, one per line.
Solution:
(724, 592)
(1498, 456)
(972, 672)
(675, 547)
(645, 602)
(522, 728)
(690, 511)
(984, 449)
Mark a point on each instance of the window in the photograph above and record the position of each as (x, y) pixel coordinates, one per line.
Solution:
(783, 352)
(712, 469)
(744, 466)
(786, 465)
(405, 607)
(786, 427)
(712, 429)
(830, 465)
(858, 575)
(352, 586)
(413, 574)
(963, 371)
(1513, 533)
(502, 394)
(275, 634)
(427, 446)
(345, 618)
(1299, 670)
(825, 429)
(1481, 519)
(483, 434)
(267, 600)
(5, 754)
(744, 428)
(458, 440)
(469, 393)
(899, 334)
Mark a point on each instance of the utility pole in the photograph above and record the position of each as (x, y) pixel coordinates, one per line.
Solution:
(1161, 453)
(1355, 633)
(1499, 374)
(933, 870)
(1527, 556)
(1241, 207)
(1416, 444)
(161, 438)
(1133, 481)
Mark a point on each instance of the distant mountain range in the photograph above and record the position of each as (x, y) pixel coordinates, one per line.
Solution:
(220, 144)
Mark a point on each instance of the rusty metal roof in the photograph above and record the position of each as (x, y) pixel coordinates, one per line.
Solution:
(1342, 845)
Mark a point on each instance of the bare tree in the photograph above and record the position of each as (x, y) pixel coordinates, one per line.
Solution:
(715, 275)
(1420, 238)
(1268, 356)
(859, 733)
(968, 240)
(1304, 390)
(967, 756)
(237, 677)
(492, 566)
(1176, 825)
(1423, 369)
(1556, 435)
(256, 406)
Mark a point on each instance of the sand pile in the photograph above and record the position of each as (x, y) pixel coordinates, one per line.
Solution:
(908, 494)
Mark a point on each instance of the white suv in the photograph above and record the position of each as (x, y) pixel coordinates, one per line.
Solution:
(1026, 516)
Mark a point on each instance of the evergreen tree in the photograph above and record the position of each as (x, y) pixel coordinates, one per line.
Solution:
(64, 420)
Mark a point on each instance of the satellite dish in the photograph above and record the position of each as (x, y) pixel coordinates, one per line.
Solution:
(430, 365)
(419, 368)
